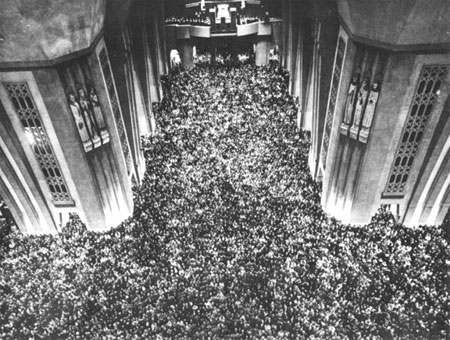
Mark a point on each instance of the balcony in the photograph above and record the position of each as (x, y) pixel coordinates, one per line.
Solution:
(194, 3)
(193, 30)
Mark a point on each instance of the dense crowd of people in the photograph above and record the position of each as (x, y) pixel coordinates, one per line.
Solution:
(228, 240)
(244, 20)
(196, 21)
(201, 19)
(205, 21)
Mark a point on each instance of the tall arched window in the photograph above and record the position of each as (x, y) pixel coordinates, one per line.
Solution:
(24, 105)
(427, 89)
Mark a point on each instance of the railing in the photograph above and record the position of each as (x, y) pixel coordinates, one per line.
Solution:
(186, 31)
(193, 3)
(224, 26)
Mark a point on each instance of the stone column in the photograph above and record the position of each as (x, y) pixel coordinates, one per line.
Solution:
(262, 52)
(298, 77)
(153, 76)
(187, 53)
(283, 47)
(17, 188)
(162, 30)
(289, 42)
(158, 45)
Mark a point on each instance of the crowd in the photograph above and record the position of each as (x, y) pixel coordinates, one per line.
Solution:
(243, 20)
(228, 240)
(202, 58)
(196, 21)
(206, 21)
(223, 60)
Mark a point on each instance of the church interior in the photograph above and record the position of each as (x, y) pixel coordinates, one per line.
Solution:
(224, 169)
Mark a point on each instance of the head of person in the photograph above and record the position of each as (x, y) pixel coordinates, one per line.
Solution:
(81, 92)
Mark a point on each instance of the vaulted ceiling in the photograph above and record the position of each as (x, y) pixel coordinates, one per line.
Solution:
(398, 23)
(40, 30)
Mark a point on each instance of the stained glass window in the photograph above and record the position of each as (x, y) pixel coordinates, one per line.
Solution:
(28, 114)
(430, 81)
